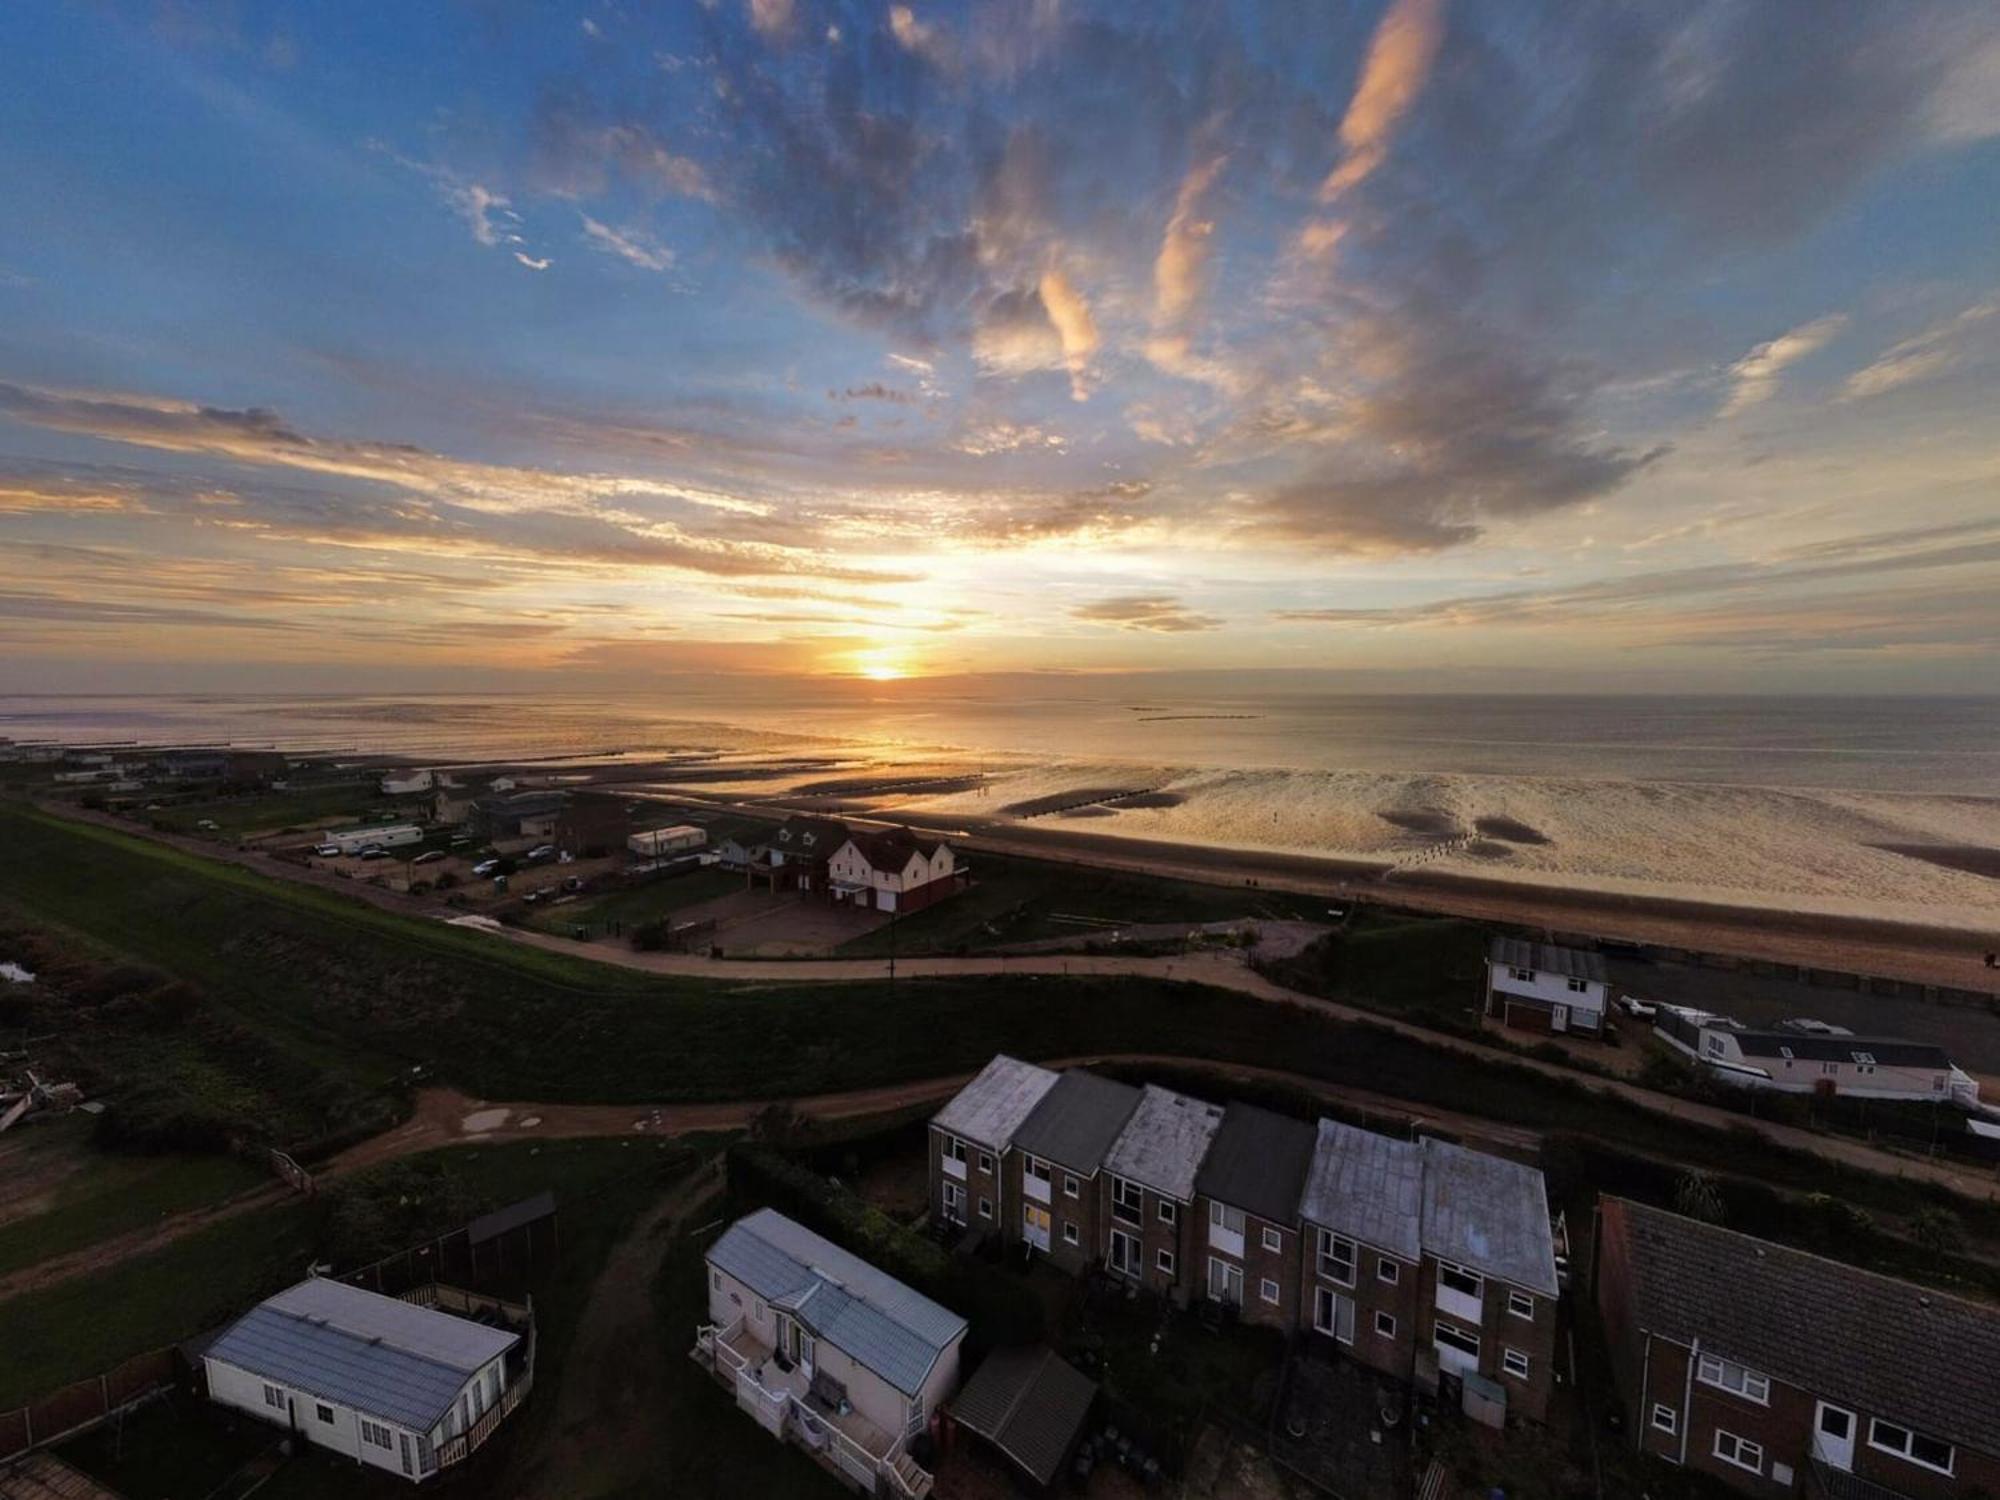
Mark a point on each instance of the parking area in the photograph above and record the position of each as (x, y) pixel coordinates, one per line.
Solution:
(789, 924)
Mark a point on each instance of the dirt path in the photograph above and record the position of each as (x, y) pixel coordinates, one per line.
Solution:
(604, 1435)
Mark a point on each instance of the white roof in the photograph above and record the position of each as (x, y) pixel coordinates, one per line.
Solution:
(1489, 1215)
(988, 1110)
(1163, 1144)
(1368, 1187)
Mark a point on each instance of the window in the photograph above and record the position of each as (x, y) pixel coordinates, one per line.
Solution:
(986, 1162)
(1035, 1169)
(1274, 1240)
(1336, 1258)
(760, 1310)
(274, 1397)
(1514, 1363)
(1526, 976)
(1333, 1314)
(1387, 1270)
(1165, 1261)
(376, 1434)
(1071, 1187)
(1925, 1452)
(1458, 1279)
(985, 1208)
(1127, 1201)
(1713, 1046)
(1268, 1290)
(1169, 1211)
(953, 1149)
(1745, 1454)
(1222, 1216)
(1521, 1305)
(1578, 986)
(1385, 1325)
(1666, 1419)
(1866, 1059)
(1457, 1338)
(1071, 1234)
(714, 1280)
(323, 1412)
(1725, 1375)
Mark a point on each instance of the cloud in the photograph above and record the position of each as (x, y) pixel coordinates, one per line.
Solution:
(634, 246)
(1179, 269)
(532, 263)
(574, 158)
(1755, 376)
(1076, 330)
(1392, 77)
(771, 17)
(1924, 357)
(1149, 612)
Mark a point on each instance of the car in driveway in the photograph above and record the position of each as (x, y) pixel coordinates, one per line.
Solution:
(375, 851)
(1641, 1010)
(541, 854)
(327, 851)
(428, 857)
(487, 867)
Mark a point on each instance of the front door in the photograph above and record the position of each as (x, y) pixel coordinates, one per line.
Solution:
(954, 1203)
(1035, 1225)
(1833, 1436)
(1124, 1257)
(1225, 1282)
(1559, 1018)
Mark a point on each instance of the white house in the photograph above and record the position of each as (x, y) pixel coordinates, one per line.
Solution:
(1540, 987)
(825, 1351)
(384, 1381)
(1799, 1060)
(388, 835)
(891, 870)
(657, 843)
(405, 783)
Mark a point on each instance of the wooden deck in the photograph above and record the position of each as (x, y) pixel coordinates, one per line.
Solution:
(43, 1476)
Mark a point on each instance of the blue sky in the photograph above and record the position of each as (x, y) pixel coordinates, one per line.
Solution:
(1592, 346)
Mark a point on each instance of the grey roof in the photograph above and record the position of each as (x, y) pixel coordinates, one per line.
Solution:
(1488, 1214)
(1031, 1405)
(1547, 958)
(1258, 1162)
(502, 1220)
(1888, 1051)
(390, 1359)
(1367, 1186)
(990, 1109)
(884, 1325)
(1165, 1141)
(1077, 1120)
(1871, 1342)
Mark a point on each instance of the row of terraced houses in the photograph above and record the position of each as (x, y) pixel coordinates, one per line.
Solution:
(1420, 1258)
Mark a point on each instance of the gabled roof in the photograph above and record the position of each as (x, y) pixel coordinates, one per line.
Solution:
(1077, 1120)
(1489, 1215)
(818, 837)
(891, 848)
(1165, 1141)
(1546, 958)
(988, 1110)
(1890, 1052)
(1031, 1405)
(1367, 1186)
(1258, 1162)
(1882, 1346)
(882, 1324)
(390, 1359)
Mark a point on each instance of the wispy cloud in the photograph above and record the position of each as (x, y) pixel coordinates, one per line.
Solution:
(1399, 61)
(1929, 354)
(1754, 378)
(1159, 613)
(633, 246)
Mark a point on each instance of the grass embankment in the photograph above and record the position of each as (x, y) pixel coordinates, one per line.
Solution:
(1431, 970)
(1015, 900)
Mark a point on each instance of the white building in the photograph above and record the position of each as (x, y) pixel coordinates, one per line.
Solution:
(406, 783)
(657, 843)
(1540, 987)
(891, 871)
(388, 835)
(823, 1350)
(385, 1382)
(1809, 1059)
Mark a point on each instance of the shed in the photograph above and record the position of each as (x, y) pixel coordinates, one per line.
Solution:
(1030, 1404)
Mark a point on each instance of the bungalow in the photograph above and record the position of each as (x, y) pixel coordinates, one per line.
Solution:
(1247, 1212)
(1795, 1060)
(1540, 987)
(1052, 1172)
(824, 1350)
(1148, 1187)
(662, 843)
(1781, 1373)
(385, 1381)
(1361, 1213)
(970, 1139)
(892, 870)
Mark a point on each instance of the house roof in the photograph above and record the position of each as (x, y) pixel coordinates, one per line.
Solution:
(1165, 1141)
(514, 1216)
(1368, 1186)
(1488, 1214)
(882, 1324)
(1258, 1162)
(891, 848)
(988, 1110)
(1030, 1404)
(391, 1359)
(1077, 1120)
(819, 837)
(1868, 1341)
(1890, 1052)
(1547, 958)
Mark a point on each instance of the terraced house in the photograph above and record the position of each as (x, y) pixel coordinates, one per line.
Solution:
(1053, 1170)
(971, 1138)
(1782, 1373)
(1361, 1217)
(1148, 1187)
(1247, 1213)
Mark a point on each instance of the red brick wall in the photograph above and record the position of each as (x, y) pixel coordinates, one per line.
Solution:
(1499, 1330)
(1371, 1294)
(1185, 1280)
(1257, 1265)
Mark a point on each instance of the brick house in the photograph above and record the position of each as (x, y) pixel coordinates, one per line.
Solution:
(1147, 1192)
(970, 1139)
(1247, 1214)
(1782, 1373)
(1361, 1217)
(1053, 1170)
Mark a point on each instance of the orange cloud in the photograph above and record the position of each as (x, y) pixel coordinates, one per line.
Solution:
(1393, 75)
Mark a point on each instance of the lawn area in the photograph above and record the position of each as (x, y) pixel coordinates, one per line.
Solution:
(1016, 900)
(623, 910)
(1424, 968)
(107, 1194)
(313, 807)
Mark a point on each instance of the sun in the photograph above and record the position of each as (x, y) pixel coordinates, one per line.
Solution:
(880, 664)
(881, 672)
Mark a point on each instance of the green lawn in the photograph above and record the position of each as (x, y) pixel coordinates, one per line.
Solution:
(1015, 900)
(312, 808)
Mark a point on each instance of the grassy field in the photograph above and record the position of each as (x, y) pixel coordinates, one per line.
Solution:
(1014, 900)
(1424, 968)
(621, 911)
(312, 807)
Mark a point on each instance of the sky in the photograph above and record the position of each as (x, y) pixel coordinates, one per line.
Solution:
(1431, 345)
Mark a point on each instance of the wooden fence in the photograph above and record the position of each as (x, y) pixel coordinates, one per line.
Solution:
(74, 1408)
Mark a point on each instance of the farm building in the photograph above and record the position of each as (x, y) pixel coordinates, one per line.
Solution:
(383, 1380)
(1540, 987)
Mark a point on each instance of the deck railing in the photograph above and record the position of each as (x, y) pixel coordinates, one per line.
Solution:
(458, 1449)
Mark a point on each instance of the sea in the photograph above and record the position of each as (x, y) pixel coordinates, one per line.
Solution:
(1881, 805)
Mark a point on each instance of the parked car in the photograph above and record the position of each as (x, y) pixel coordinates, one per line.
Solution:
(207, 825)
(1632, 1005)
(428, 857)
(327, 851)
(375, 851)
(487, 867)
(541, 854)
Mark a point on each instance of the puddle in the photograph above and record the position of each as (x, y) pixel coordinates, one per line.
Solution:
(482, 1120)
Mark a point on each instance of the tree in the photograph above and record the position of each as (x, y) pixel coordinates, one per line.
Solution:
(1697, 1195)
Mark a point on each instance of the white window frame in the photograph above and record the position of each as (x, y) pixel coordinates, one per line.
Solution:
(376, 1435)
(1579, 986)
(1034, 1168)
(1268, 1290)
(1385, 1325)
(1387, 1270)
(953, 1149)
(1666, 1419)
(1329, 1264)
(1713, 1370)
(1071, 1234)
(1272, 1240)
(1525, 976)
(985, 1207)
(1071, 1187)
(1907, 1453)
(1475, 1287)
(1440, 1330)
(1122, 1189)
(1164, 1262)
(1515, 1300)
(986, 1162)
(1514, 1362)
(1737, 1447)
(1170, 1212)
(274, 1396)
(326, 1407)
